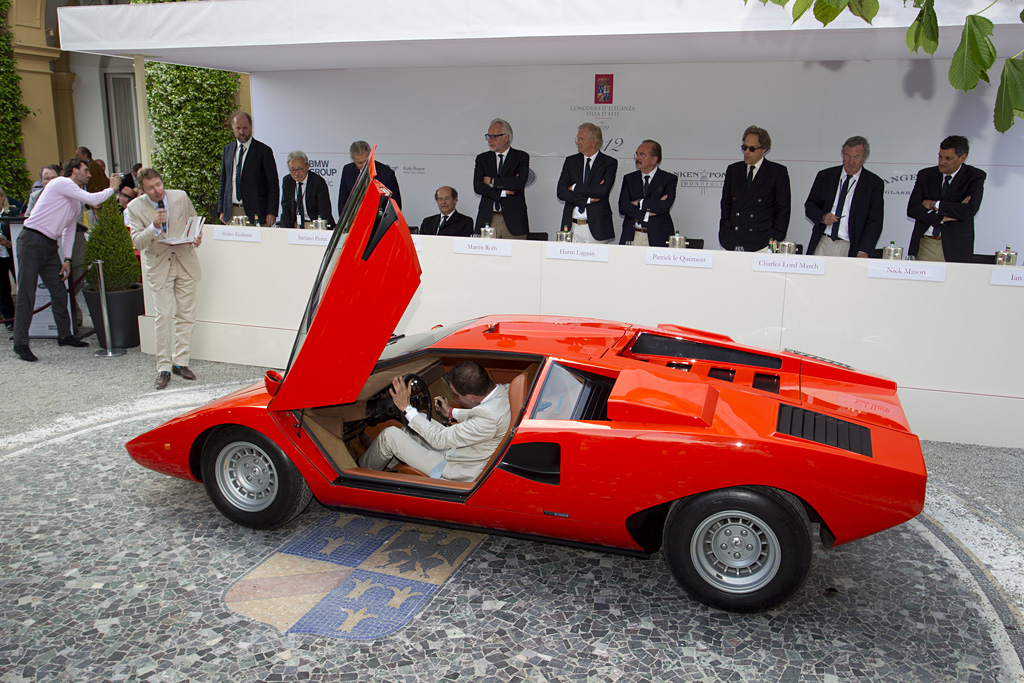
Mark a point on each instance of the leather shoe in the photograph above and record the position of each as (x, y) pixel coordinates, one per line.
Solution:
(25, 353)
(183, 372)
(162, 378)
(71, 341)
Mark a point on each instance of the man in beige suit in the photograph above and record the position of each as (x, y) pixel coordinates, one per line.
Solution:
(171, 270)
(459, 452)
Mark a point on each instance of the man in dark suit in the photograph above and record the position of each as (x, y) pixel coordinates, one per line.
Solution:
(943, 204)
(131, 179)
(646, 196)
(585, 184)
(500, 178)
(304, 195)
(755, 197)
(846, 205)
(449, 222)
(359, 151)
(248, 176)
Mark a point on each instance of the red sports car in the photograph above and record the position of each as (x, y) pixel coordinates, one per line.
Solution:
(622, 437)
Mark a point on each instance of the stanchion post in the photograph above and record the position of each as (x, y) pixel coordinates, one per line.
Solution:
(109, 351)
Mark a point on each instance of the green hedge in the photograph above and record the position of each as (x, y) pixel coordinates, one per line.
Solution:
(14, 179)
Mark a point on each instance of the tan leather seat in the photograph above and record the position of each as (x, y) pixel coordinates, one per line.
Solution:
(516, 399)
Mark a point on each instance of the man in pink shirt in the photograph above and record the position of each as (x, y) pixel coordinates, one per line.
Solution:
(48, 235)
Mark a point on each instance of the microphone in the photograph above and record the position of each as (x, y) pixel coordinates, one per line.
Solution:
(160, 205)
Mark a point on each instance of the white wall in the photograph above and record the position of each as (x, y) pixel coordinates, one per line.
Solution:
(90, 98)
(428, 123)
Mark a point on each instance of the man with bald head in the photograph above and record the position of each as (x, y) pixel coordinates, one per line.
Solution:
(248, 176)
(449, 222)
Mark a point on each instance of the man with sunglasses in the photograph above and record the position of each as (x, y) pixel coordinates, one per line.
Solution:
(755, 197)
(500, 177)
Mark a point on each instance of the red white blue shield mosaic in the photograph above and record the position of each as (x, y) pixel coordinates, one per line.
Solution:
(351, 577)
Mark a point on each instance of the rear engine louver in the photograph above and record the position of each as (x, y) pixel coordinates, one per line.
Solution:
(831, 431)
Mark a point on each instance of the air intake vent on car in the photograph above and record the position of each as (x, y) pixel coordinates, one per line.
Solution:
(805, 424)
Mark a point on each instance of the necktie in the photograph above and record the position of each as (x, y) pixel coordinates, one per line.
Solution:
(647, 185)
(586, 172)
(501, 160)
(160, 205)
(937, 230)
(750, 176)
(444, 219)
(300, 209)
(840, 206)
(238, 173)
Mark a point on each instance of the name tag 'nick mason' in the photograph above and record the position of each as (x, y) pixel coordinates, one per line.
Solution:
(685, 258)
(777, 263)
(577, 252)
(908, 270)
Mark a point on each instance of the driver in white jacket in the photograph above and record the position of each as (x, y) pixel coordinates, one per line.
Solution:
(459, 452)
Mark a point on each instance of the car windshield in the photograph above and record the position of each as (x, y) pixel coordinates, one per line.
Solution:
(401, 344)
(334, 247)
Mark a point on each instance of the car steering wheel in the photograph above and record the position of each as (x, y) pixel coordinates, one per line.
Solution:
(419, 397)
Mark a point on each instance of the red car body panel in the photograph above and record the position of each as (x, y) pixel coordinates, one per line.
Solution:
(675, 424)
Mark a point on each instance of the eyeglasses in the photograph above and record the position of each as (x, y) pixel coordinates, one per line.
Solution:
(494, 137)
(750, 148)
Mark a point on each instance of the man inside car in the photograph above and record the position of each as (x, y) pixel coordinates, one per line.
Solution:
(458, 452)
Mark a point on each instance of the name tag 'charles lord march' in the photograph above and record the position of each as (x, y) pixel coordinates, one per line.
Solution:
(778, 263)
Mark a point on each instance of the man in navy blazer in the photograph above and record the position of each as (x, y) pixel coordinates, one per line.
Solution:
(646, 196)
(248, 176)
(308, 187)
(943, 204)
(499, 177)
(585, 184)
(360, 152)
(449, 221)
(755, 197)
(846, 205)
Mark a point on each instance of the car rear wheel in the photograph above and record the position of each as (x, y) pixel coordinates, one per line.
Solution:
(741, 549)
(251, 481)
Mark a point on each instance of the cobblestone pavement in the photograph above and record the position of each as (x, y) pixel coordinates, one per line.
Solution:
(110, 572)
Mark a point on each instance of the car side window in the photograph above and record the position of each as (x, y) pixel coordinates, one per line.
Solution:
(559, 396)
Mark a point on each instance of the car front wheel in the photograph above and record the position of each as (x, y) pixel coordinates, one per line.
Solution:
(251, 481)
(741, 549)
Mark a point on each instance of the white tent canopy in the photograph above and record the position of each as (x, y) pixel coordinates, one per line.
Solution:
(300, 35)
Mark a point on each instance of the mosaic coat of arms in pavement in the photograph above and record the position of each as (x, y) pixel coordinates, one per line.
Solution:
(351, 577)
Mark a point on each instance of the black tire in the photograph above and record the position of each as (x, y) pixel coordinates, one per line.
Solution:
(251, 481)
(739, 549)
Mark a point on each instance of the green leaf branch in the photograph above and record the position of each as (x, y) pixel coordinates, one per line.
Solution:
(971, 62)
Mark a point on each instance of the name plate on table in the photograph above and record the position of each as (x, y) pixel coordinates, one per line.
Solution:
(686, 258)
(313, 238)
(907, 270)
(577, 252)
(474, 245)
(234, 233)
(778, 263)
(1011, 277)
(417, 241)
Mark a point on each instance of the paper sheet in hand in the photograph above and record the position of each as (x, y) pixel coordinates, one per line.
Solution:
(193, 228)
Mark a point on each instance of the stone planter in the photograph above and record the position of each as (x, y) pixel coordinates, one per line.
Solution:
(123, 311)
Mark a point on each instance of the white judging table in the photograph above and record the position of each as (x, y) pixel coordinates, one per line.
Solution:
(950, 344)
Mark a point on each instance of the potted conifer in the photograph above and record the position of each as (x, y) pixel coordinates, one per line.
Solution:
(110, 242)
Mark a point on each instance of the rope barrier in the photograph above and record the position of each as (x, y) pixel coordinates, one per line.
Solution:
(72, 287)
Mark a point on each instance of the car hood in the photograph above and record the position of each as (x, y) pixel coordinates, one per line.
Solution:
(366, 280)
